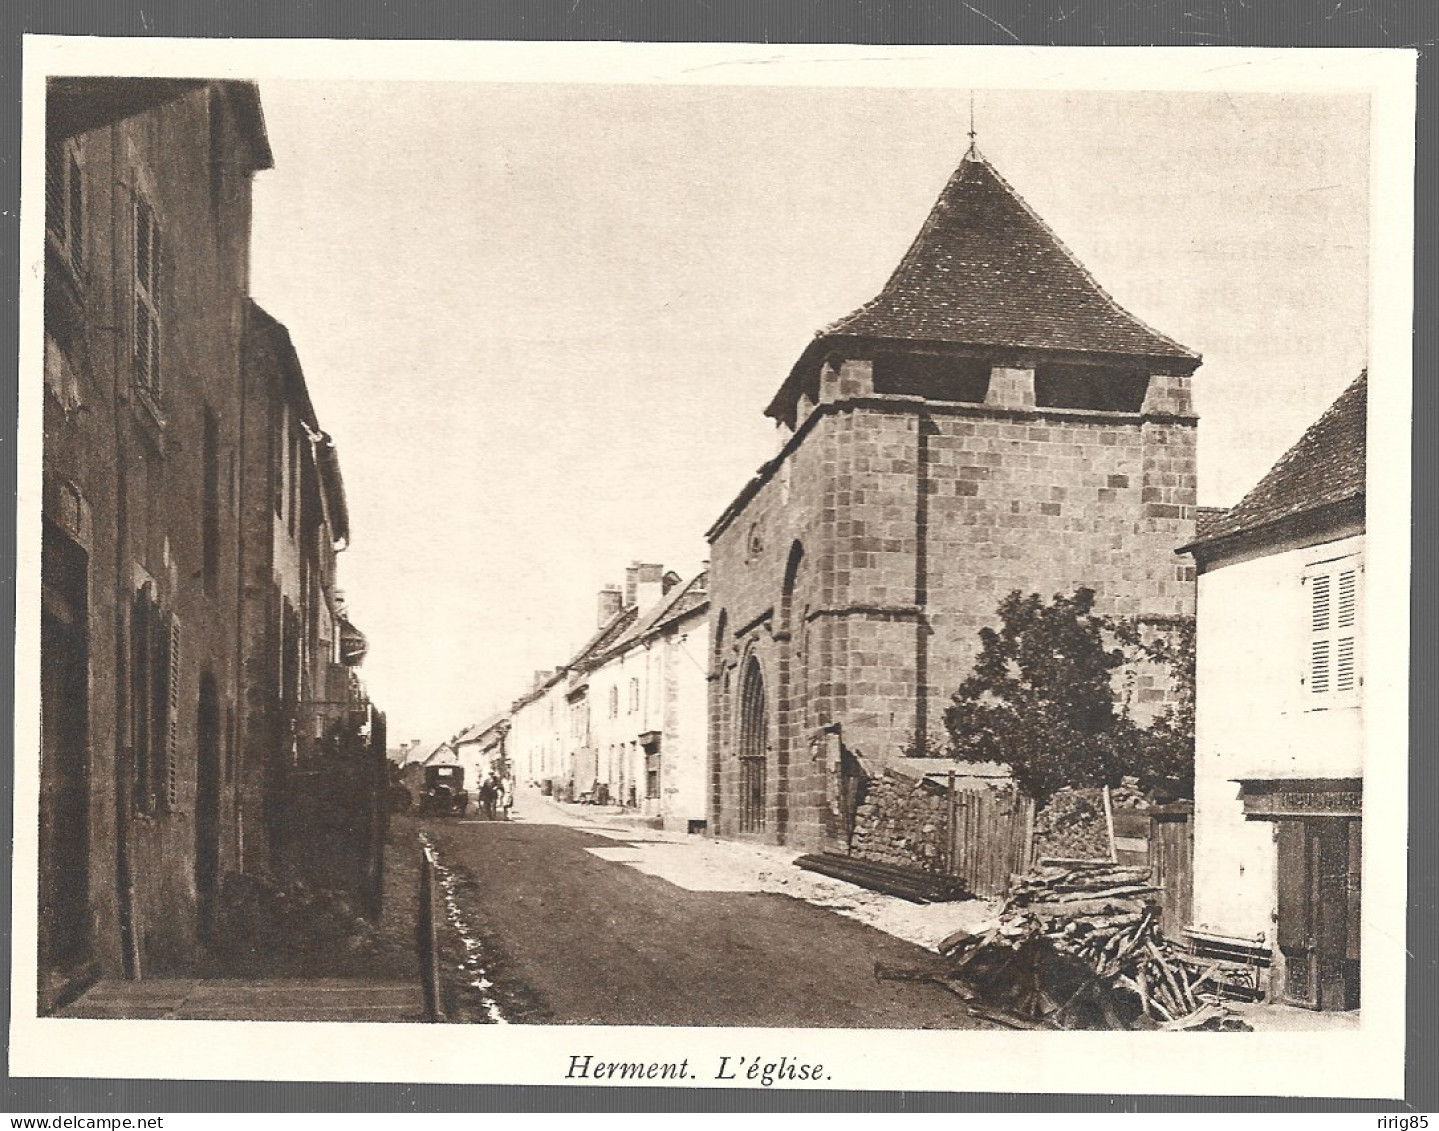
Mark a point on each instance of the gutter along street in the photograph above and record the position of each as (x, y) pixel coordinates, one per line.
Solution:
(571, 934)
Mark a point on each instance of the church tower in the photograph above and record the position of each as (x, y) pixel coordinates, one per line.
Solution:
(992, 420)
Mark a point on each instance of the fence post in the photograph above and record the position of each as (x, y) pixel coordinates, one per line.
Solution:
(952, 863)
(425, 938)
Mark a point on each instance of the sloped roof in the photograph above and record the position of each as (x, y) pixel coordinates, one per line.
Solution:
(602, 640)
(1324, 468)
(681, 599)
(985, 270)
(476, 731)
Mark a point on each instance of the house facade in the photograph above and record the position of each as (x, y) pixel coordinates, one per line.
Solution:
(647, 701)
(302, 694)
(539, 725)
(147, 225)
(1279, 726)
(624, 720)
(993, 420)
(481, 750)
(192, 510)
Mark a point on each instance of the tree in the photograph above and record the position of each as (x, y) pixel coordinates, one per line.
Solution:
(1041, 700)
(1163, 757)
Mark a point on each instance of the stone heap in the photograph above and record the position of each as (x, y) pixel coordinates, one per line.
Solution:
(903, 821)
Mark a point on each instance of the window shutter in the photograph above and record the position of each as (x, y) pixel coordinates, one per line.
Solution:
(147, 322)
(1346, 617)
(1332, 663)
(1321, 644)
(141, 699)
(55, 185)
(172, 735)
(76, 232)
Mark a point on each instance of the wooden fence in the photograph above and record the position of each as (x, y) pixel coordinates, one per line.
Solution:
(1161, 838)
(991, 837)
(1171, 863)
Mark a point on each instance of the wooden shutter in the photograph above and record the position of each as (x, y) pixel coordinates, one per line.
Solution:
(1346, 629)
(141, 698)
(1332, 662)
(75, 231)
(147, 297)
(172, 729)
(55, 203)
(1321, 643)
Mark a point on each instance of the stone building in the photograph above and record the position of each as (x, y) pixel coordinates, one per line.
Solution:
(993, 420)
(193, 643)
(147, 231)
(301, 652)
(1279, 716)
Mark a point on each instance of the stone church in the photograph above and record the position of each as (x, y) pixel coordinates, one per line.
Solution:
(992, 420)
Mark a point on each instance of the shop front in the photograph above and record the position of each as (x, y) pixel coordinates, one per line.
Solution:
(1317, 843)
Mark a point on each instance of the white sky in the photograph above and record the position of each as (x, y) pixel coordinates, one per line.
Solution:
(542, 321)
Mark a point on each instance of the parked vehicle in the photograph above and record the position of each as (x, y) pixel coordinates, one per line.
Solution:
(444, 791)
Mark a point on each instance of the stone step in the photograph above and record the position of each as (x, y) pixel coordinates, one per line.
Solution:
(249, 999)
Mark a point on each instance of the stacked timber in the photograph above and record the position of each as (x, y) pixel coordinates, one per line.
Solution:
(1078, 945)
(891, 879)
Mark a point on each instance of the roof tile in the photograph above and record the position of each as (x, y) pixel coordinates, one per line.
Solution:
(986, 270)
(1325, 467)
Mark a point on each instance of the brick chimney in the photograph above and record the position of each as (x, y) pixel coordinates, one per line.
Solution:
(612, 600)
(644, 585)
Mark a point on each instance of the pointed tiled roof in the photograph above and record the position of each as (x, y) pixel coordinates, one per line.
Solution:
(985, 270)
(1325, 468)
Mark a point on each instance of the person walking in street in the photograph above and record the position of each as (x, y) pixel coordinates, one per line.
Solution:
(506, 798)
(487, 798)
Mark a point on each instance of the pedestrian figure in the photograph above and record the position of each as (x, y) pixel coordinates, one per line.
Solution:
(487, 798)
(506, 798)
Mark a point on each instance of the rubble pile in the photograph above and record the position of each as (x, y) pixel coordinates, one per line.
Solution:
(1078, 946)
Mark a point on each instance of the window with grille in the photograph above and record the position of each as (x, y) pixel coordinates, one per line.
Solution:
(614, 701)
(1332, 661)
(65, 201)
(147, 298)
(634, 694)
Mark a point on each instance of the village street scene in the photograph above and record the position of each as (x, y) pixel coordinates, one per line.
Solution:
(784, 572)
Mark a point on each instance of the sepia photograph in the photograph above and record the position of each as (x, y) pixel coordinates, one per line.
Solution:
(869, 545)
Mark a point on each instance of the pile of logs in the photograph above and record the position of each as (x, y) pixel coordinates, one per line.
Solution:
(1078, 946)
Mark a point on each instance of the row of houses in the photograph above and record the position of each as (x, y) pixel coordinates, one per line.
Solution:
(196, 651)
(994, 420)
(623, 719)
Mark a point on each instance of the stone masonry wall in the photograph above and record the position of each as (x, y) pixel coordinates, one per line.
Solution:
(904, 821)
(916, 518)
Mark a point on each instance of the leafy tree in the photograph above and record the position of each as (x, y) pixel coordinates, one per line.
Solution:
(1041, 700)
(1163, 754)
